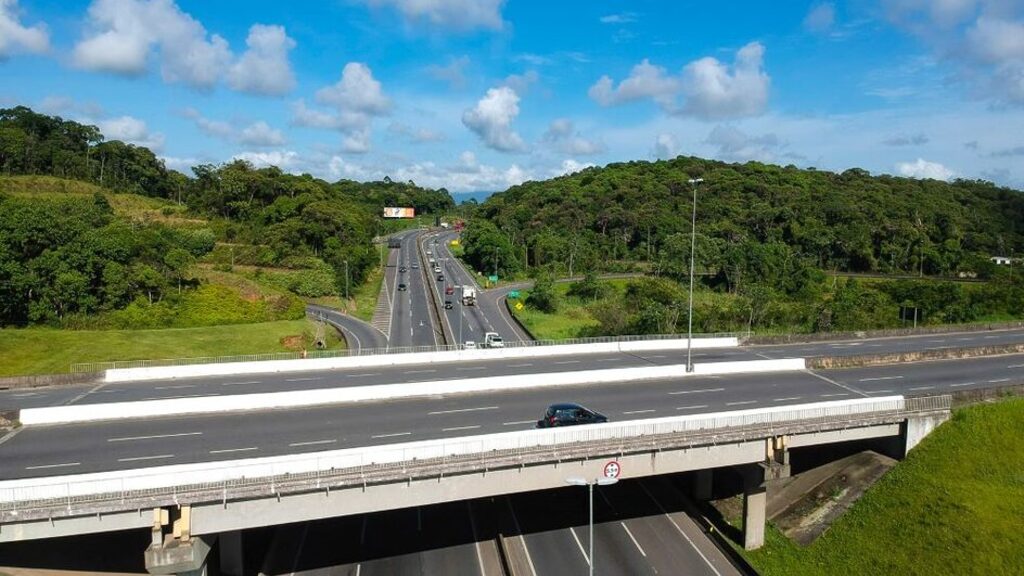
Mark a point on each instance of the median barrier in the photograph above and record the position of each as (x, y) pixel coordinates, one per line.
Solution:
(302, 365)
(318, 397)
(123, 481)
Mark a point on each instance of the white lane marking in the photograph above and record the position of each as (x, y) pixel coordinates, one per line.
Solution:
(518, 423)
(1016, 366)
(180, 396)
(696, 391)
(834, 383)
(659, 356)
(567, 362)
(419, 371)
(364, 375)
(606, 360)
(439, 412)
(312, 443)
(240, 383)
(874, 345)
(137, 458)
(638, 412)
(834, 395)
(935, 341)
(741, 403)
(522, 539)
(580, 544)
(886, 391)
(880, 378)
(130, 438)
(178, 387)
(790, 398)
(680, 530)
(998, 380)
(457, 428)
(990, 337)
(46, 466)
(694, 407)
(519, 365)
(635, 543)
(299, 379)
(962, 384)
(228, 450)
(392, 435)
(921, 388)
(473, 368)
(25, 395)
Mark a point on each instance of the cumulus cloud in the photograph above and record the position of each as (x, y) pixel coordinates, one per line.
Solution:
(734, 145)
(357, 98)
(415, 135)
(16, 37)
(256, 134)
(261, 134)
(453, 73)
(264, 67)
(907, 140)
(448, 14)
(571, 166)
(132, 130)
(491, 119)
(924, 169)
(563, 137)
(821, 18)
(124, 34)
(215, 128)
(287, 160)
(521, 83)
(467, 174)
(665, 147)
(712, 89)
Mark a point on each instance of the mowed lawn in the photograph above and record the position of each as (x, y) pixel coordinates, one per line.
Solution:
(49, 351)
(954, 506)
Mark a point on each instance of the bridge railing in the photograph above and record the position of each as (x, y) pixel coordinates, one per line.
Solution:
(189, 483)
(88, 367)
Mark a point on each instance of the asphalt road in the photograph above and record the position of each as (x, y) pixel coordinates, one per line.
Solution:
(412, 323)
(358, 334)
(54, 450)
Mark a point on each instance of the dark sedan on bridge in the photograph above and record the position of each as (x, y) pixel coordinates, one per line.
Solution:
(568, 414)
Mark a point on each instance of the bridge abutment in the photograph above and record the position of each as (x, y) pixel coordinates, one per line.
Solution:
(173, 549)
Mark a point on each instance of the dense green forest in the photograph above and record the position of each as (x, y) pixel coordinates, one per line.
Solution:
(772, 238)
(62, 258)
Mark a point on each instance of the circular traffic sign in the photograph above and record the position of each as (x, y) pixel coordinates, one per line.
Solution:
(612, 469)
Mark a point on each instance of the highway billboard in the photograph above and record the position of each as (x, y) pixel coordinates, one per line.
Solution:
(397, 212)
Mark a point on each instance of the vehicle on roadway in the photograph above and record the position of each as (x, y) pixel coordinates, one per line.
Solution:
(569, 414)
(468, 296)
(492, 340)
(402, 287)
(448, 305)
(469, 345)
(415, 266)
(440, 277)
(403, 269)
(449, 290)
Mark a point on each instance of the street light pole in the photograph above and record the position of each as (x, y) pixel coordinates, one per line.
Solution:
(346, 281)
(603, 481)
(693, 240)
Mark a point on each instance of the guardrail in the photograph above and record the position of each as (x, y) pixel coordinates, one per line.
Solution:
(220, 481)
(121, 364)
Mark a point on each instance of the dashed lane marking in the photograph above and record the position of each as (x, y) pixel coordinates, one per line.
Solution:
(741, 403)
(519, 422)
(137, 458)
(694, 407)
(229, 450)
(702, 390)
(153, 437)
(312, 443)
(635, 543)
(48, 466)
(457, 428)
(638, 412)
(880, 378)
(392, 435)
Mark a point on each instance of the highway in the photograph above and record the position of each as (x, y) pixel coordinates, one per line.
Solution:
(412, 323)
(358, 334)
(51, 450)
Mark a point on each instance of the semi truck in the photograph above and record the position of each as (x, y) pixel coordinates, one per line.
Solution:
(468, 296)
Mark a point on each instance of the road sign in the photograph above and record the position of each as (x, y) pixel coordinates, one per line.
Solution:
(513, 294)
(612, 469)
(519, 306)
(492, 278)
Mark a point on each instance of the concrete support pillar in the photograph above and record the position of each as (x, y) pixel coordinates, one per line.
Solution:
(755, 500)
(231, 557)
(702, 483)
(777, 457)
(172, 549)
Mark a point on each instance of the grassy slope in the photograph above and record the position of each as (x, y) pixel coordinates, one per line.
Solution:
(955, 506)
(364, 297)
(49, 351)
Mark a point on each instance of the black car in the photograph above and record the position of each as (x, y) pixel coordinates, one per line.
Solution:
(569, 415)
(403, 269)
(448, 305)
(440, 277)
(402, 287)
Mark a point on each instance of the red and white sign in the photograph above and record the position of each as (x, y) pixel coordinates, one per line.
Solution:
(612, 469)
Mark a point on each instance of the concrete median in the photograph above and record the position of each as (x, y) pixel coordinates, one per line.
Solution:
(303, 398)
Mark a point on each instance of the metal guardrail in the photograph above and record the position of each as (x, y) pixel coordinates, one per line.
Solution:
(88, 367)
(379, 464)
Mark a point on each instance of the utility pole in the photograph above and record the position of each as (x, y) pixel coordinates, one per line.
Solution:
(693, 240)
(346, 280)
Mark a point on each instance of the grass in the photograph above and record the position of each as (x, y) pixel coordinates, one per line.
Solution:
(954, 506)
(50, 351)
(571, 319)
(363, 299)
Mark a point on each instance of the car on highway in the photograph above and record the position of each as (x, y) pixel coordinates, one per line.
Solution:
(403, 269)
(469, 345)
(415, 266)
(569, 414)
(440, 277)
(402, 287)
(449, 290)
(493, 340)
(448, 305)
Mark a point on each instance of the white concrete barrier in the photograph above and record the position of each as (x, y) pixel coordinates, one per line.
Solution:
(301, 398)
(214, 472)
(271, 366)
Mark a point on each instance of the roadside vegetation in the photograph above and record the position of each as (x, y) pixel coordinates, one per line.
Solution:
(954, 506)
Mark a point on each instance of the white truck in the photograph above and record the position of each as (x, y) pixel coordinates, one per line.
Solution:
(492, 340)
(468, 296)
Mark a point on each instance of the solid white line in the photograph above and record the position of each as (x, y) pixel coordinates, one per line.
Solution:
(962, 384)
(24, 395)
(606, 360)
(635, 543)
(638, 412)
(787, 399)
(741, 403)
(1016, 366)
(157, 457)
(299, 379)
(181, 396)
(227, 450)
(240, 383)
(833, 395)
(312, 443)
(391, 435)
(659, 356)
(998, 380)
(45, 466)
(362, 375)
(461, 410)
(419, 371)
(130, 438)
(921, 388)
(473, 368)
(567, 362)
(518, 365)
(460, 428)
(880, 378)
(695, 407)
(684, 534)
(696, 391)
(174, 387)
(526, 549)
(519, 423)
(580, 544)
(886, 391)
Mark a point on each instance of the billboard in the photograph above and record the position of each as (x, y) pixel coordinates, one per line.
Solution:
(394, 212)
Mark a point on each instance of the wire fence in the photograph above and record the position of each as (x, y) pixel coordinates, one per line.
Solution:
(90, 367)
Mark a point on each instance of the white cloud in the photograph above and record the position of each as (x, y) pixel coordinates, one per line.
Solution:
(564, 137)
(665, 147)
(215, 128)
(15, 37)
(255, 134)
(287, 160)
(521, 82)
(416, 135)
(183, 165)
(821, 18)
(570, 166)
(453, 73)
(264, 67)
(466, 175)
(712, 89)
(621, 18)
(261, 134)
(924, 169)
(491, 119)
(736, 146)
(303, 115)
(123, 35)
(357, 98)
(132, 130)
(448, 14)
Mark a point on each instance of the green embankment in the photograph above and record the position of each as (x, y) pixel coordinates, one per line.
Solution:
(570, 321)
(49, 351)
(363, 300)
(954, 506)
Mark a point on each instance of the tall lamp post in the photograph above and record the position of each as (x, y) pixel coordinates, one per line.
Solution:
(346, 282)
(693, 241)
(603, 481)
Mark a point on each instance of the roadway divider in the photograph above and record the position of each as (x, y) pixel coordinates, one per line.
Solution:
(121, 481)
(274, 366)
(324, 396)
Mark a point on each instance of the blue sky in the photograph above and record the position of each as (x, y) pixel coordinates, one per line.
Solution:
(483, 94)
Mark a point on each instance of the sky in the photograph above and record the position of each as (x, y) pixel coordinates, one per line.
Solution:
(480, 95)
